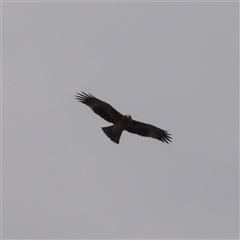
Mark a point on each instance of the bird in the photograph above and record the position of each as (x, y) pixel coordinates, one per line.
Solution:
(121, 122)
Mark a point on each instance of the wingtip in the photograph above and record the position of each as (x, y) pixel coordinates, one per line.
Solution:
(167, 138)
(83, 97)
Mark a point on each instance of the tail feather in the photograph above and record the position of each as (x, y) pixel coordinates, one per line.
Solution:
(113, 135)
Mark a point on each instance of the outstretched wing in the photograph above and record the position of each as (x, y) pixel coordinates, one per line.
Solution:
(147, 130)
(101, 108)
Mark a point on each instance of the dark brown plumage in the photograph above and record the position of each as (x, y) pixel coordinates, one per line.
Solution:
(121, 122)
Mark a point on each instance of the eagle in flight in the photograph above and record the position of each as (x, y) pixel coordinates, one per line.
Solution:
(121, 122)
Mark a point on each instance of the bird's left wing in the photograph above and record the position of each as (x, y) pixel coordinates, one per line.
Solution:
(101, 108)
(147, 130)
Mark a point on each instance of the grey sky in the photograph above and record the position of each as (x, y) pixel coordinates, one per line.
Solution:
(174, 65)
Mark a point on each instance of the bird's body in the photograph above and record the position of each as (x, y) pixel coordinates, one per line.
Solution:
(114, 132)
(121, 122)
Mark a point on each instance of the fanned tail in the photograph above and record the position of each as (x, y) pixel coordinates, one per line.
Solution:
(113, 135)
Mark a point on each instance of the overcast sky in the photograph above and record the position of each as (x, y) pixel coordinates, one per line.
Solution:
(174, 65)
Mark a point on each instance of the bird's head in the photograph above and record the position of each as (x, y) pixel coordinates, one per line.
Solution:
(128, 116)
(126, 120)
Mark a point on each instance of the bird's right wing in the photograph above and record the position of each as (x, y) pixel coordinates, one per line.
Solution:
(148, 130)
(101, 108)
